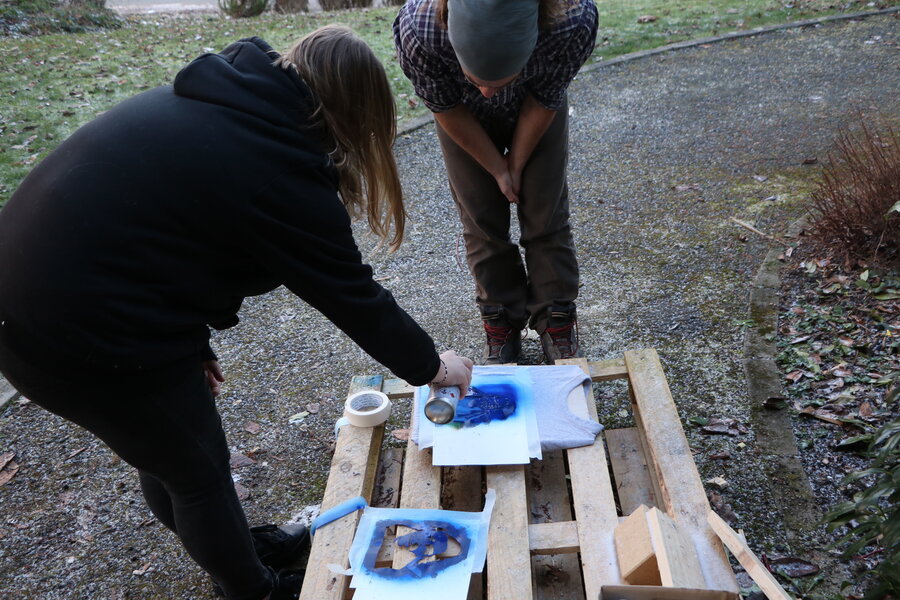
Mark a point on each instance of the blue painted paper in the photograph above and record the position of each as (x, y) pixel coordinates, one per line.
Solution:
(441, 579)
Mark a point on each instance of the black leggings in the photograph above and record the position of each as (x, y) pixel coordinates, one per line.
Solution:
(165, 424)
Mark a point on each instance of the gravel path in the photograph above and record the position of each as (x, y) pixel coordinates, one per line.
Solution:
(664, 150)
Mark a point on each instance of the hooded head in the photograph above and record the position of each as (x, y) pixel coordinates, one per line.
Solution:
(493, 39)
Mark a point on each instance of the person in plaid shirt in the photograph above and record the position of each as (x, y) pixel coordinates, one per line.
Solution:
(495, 74)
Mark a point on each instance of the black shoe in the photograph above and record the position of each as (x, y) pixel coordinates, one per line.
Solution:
(278, 547)
(287, 585)
(560, 338)
(504, 340)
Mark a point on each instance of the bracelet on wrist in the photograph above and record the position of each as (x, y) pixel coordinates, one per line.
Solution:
(446, 374)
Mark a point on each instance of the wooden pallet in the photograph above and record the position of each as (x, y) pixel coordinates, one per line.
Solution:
(556, 518)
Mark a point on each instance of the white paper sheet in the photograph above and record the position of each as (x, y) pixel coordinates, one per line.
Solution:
(495, 424)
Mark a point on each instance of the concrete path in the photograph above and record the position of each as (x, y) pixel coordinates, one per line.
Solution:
(664, 151)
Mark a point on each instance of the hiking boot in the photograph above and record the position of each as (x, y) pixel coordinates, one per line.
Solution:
(504, 340)
(287, 585)
(278, 547)
(560, 338)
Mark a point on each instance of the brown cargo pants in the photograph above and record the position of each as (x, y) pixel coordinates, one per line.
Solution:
(549, 274)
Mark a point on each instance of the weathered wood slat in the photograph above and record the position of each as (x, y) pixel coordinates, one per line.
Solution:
(352, 474)
(461, 489)
(421, 488)
(557, 574)
(386, 493)
(594, 504)
(630, 470)
(508, 558)
(681, 491)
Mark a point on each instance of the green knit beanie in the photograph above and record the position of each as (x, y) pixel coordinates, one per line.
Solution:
(493, 39)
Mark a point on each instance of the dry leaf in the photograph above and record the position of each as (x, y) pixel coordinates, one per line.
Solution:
(143, 570)
(312, 408)
(252, 427)
(646, 18)
(239, 460)
(242, 492)
(401, 434)
(6, 458)
(12, 467)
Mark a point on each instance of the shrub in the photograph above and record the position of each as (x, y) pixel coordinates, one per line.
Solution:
(874, 513)
(240, 9)
(855, 211)
(36, 17)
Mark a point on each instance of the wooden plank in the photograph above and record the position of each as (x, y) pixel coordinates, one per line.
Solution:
(508, 558)
(681, 491)
(397, 388)
(630, 470)
(635, 551)
(461, 489)
(738, 547)
(421, 488)
(387, 479)
(594, 505)
(554, 539)
(352, 474)
(676, 557)
(557, 574)
(607, 370)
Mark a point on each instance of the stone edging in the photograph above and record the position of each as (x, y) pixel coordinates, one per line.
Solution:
(772, 426)
(411, 125)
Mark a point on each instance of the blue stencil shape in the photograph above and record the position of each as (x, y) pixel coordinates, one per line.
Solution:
(485, 403)
(435, 534)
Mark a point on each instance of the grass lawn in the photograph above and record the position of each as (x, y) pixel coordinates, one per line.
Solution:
(52, 84)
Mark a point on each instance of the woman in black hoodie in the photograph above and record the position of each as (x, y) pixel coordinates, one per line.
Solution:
(153, 222)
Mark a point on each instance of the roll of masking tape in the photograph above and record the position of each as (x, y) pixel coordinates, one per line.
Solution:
(367, 408)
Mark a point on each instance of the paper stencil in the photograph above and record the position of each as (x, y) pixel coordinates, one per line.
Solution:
(432, 531)
(495, 423)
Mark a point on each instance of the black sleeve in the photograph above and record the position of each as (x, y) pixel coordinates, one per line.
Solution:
(299, 230)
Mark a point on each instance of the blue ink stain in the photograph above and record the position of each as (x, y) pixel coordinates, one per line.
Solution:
(486, 403)
(425, 533)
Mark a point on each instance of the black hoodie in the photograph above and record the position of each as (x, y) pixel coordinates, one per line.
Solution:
(159, 217)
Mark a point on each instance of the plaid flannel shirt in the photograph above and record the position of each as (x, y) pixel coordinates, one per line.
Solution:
(428, 60)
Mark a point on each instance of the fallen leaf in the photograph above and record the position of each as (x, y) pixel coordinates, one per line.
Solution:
(810, 161)
(794, 567)
(6, 458)
(718, 483)
(794, 376)
(239, 460)
(821, 415)
(725, 426)
(760, 178)
(865, 410)
(242, 492)
(143, 570)
(312, 408)
(401, 434)
(251, 427)
(647, 18)
(9, 472)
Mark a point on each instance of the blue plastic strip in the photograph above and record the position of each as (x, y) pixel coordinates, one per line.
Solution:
(341, 510)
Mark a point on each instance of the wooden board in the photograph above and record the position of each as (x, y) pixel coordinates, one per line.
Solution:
(461, 489)
(387, 479)
(557, 576)
(738, 547)
(352, 474)
(630, 470)
(676, 557)
(594, 505)
(681, 491)
(420, 488)
(635, 551)
(508, 558)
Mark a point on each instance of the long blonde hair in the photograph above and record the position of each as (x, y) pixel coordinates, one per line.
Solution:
(355, 107)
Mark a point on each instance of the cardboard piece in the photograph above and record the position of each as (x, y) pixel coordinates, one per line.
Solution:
(651, 592)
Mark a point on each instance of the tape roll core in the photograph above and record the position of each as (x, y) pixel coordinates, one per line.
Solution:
(367, 408)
